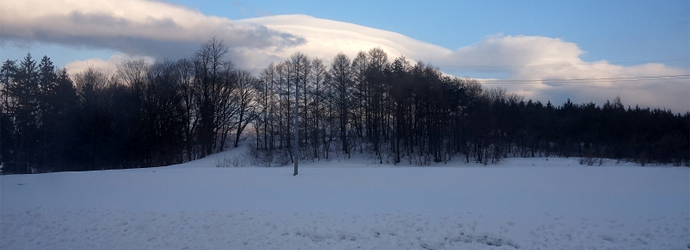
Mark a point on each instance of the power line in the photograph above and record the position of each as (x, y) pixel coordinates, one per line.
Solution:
(581, 80)
(559, 65)
(532, 66)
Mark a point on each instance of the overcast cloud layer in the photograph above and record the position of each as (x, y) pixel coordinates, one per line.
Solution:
(156, 30)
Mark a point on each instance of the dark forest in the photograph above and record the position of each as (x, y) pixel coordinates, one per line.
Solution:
(395, 111)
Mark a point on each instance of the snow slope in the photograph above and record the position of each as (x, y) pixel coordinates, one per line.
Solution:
(517, 204)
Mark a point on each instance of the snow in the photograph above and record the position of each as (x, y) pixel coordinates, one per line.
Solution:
(535, 203)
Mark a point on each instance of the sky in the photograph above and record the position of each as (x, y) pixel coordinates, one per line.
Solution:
(588, 51)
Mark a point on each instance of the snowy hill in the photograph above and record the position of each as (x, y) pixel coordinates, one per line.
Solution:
(517, 204)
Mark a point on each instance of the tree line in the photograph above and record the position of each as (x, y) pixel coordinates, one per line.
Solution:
(142, 115)
(402, 112)
(396, 111)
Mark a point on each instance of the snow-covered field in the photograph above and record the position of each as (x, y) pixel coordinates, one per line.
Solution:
(517, 204)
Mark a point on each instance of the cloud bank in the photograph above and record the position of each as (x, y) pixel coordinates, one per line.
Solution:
(556, 72)
(156, 30)
(134, 27)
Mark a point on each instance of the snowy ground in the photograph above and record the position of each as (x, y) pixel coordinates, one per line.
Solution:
(517, 204)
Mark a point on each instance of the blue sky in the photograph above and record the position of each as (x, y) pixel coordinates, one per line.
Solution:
(518, 40)
(618, 31)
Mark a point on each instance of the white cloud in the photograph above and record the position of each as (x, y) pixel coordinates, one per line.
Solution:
(109, 66)
(137, 27)
(543, 58)
(326, 38)
(517, 57)
(162, 30)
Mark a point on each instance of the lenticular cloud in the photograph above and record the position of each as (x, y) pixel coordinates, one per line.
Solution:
(526, 65)
(537, 67)
(135, 27)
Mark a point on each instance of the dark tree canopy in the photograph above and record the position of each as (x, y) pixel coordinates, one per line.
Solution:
(143, 115)
(396, 111)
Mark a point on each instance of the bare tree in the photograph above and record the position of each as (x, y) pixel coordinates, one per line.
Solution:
(186, 74)
(266, 100)
(133, 73)
(318, 77)
(302, 70)
(245, 98)
(341, 85)
(214, 84)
